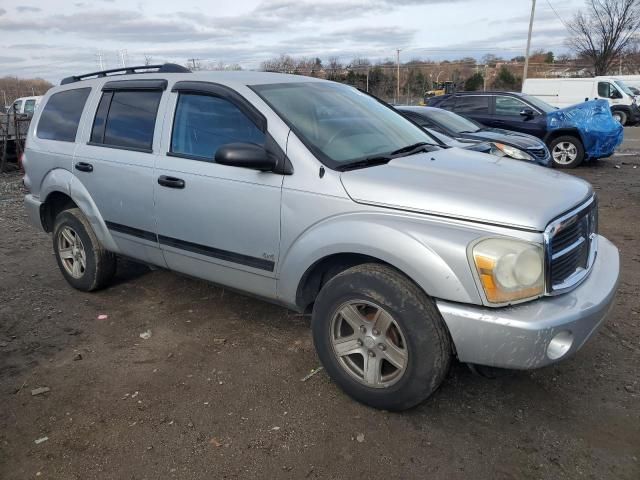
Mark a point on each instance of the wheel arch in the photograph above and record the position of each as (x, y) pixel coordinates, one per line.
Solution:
(61, 190)
(561, 132)
(311, 260)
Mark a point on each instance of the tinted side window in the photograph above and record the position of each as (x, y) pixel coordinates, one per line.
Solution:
(448, 103)
(61, 115)
(509, 106)
(472, 104)
(126, 119)
(203, 123)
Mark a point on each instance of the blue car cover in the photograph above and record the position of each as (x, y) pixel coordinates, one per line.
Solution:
(600, 132)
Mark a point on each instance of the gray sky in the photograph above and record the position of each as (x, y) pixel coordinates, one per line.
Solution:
(56, 38)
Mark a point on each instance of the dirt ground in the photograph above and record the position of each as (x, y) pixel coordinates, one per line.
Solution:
(216, 391)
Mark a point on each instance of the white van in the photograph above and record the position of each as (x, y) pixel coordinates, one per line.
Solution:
(564, 92)
(25, 105)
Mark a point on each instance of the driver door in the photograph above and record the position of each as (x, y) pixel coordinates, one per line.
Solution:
(217, 222)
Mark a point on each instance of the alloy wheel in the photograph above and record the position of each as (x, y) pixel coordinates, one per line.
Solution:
(564, 153)
(72, 252)
(369, 344)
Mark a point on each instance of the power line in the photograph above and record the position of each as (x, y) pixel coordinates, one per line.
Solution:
(557, 15)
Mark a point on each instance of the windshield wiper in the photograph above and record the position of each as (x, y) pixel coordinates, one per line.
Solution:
(386, 158)
(409, 149)
(367, 162)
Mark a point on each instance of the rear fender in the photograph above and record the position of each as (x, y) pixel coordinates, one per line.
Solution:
(61, 180)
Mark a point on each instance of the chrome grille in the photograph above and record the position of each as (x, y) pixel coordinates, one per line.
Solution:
(571, 247)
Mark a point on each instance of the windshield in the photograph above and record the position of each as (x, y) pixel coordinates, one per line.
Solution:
(539, 104)
(340, 124)
(623, 86)
(451, 121)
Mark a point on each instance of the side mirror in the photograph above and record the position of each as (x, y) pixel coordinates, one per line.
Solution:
(615, 94)
(245, 155)
(527, 112)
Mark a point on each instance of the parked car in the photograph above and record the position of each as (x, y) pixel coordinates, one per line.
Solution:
(473, 145)
(505, 143)
(570, 142)
(406, 253)
(564, 92)
(25, 105)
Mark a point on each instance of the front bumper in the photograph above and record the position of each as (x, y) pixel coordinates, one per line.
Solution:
(539, 332)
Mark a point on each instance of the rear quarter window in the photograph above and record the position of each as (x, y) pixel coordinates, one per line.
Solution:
(478, 104)
(61, 115)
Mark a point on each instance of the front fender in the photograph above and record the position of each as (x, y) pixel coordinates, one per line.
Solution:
(431, 253)
(61, 180)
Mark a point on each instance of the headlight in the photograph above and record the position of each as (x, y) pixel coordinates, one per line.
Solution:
(509, 270)
(506, 150)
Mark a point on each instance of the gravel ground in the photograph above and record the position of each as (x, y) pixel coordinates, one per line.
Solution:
(216, 390)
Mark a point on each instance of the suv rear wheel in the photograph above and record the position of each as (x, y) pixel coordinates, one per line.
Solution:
(380, 337)
(566, 152)
(84, 263)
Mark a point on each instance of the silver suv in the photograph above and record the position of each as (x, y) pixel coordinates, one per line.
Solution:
(321, 198)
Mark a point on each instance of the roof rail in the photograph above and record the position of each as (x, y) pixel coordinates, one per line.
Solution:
(164, 68)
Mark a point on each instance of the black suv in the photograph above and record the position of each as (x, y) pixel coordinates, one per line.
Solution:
(521, 113)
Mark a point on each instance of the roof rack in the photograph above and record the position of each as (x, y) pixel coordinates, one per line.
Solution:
(164, 68)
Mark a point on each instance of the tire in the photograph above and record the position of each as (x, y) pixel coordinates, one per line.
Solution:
(571, 146)
(88, 266)
(410, 358)
(620, 116)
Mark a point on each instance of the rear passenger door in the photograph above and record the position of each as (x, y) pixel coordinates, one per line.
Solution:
(217, 222)
(476, 107)
(116, 159)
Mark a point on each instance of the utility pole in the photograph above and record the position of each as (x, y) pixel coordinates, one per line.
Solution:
(100, 62)
(193, 63)
(398, 74)
(526, 56)
(123, 57)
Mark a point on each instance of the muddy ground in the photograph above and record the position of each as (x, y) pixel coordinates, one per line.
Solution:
(216, 391)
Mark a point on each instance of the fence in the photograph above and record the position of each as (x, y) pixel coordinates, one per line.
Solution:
(13, 133)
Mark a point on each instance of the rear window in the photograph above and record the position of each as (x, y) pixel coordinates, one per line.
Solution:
(126, 119)
(61, 115)
(472, 104)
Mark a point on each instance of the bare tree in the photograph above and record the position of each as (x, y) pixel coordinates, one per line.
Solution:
(604, 31)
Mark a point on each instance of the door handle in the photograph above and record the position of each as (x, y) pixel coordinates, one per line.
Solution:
(84, 167)
(171, 182)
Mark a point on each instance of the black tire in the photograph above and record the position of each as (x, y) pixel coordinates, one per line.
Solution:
(567, 139)
(620, 116)
(426, 339)
(100, 264)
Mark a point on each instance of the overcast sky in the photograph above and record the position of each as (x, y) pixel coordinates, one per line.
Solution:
(56, 38)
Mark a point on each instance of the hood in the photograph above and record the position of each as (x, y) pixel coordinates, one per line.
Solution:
(467, 185)
(519, 140)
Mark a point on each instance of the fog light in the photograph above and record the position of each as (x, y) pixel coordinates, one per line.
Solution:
(559, 345)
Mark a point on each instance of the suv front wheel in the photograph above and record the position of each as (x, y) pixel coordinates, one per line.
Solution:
(566, 152)
(83, 261)
(380, 337)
